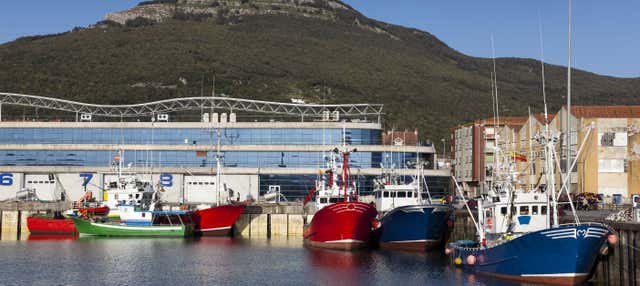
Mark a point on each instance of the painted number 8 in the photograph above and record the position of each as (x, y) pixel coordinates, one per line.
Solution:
(166, 180)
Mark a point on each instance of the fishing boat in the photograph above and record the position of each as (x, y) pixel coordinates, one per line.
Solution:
(517, 243)
(410, 219)
(54, 224)
(219, 219)
(341, 222)
(518, 232)
(127, 189)
(165, 224)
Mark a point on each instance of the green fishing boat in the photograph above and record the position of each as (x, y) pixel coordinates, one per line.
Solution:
(86, 227)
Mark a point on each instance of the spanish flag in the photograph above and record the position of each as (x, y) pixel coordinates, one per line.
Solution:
(518, 157)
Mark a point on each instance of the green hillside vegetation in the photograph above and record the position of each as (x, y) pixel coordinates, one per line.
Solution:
(422, 82)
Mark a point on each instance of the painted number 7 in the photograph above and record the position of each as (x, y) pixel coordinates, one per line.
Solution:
(87, 178)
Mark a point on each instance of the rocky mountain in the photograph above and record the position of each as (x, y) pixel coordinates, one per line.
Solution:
(318, 50)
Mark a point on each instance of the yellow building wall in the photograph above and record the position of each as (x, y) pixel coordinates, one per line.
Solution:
(588, 161)
(633, 146)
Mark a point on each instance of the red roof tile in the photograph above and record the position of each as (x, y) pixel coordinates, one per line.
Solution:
(606, 111)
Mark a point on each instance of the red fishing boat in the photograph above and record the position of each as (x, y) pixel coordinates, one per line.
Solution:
(217, 221)
(341, 222)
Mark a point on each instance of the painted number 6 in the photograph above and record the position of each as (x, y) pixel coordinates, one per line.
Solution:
(6, 179)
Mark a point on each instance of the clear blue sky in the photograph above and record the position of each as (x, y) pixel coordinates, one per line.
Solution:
(606, 34)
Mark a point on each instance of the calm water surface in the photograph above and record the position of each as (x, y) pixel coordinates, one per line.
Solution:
(217, 261)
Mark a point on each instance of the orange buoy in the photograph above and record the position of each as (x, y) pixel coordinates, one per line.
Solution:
(489, 223)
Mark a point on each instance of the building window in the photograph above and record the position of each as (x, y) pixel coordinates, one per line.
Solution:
(607, 138)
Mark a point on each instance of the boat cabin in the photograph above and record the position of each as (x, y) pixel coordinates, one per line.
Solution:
(388, 197)
(528, 212)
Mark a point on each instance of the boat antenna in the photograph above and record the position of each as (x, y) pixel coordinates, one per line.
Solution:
(495, 85)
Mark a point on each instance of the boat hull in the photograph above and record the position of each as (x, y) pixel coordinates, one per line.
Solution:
(415, 228)
(111, 229)
(42, 225)
(565, 255)
(217, 221)
(341, 226)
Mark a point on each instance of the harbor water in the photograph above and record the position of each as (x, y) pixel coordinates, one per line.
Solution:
(217, 261)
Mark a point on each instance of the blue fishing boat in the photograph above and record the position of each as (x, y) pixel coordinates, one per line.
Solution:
(518, 232)
(564, 255)
(410, 220)
(415, 227)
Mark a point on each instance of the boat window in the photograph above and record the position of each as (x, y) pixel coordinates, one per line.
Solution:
(402, 194)
(503, 210)
(514, 210)
(524, 210)
(323, 200)
(409, 194)
(424, 196)
(393, 194)
(144, 214)
(534, 210)
(543, 210)
(386, 194)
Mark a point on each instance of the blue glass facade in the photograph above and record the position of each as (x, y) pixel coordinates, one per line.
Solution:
(292, 186)
(244, 159)
(199, 136)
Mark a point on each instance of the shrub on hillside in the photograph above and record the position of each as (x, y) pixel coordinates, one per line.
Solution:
(139, 22)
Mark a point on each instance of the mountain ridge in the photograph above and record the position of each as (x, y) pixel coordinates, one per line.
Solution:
(422, 81)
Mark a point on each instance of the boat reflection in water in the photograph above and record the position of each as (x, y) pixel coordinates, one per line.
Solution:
(36, 237)
(338, 260)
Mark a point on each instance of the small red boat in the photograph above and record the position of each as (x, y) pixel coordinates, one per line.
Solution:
(217, 221)
(58, 224)
(341, 222)
(47, 225)
(94, 211)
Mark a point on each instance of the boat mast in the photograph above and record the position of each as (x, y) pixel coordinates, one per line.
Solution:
(345, 162)
(567, 123)
(218, 168)
(548, 140)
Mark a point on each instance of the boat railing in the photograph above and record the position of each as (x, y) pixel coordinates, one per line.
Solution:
(588, 224)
